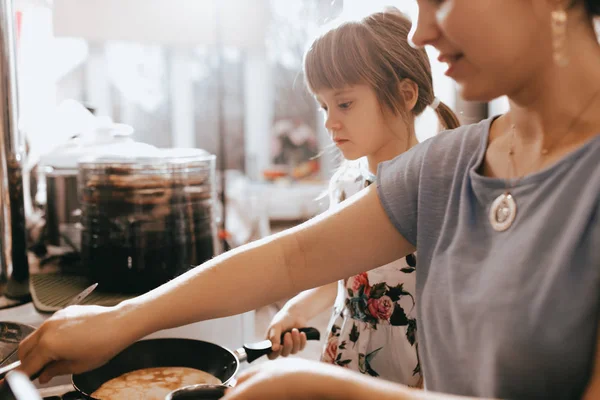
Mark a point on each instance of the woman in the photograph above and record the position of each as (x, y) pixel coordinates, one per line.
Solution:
(505, 213)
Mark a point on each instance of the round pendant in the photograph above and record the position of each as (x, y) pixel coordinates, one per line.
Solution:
(503, 212)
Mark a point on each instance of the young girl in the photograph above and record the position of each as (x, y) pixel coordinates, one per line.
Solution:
(348, 70)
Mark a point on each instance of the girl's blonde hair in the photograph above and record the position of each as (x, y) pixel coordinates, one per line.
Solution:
(374, 51)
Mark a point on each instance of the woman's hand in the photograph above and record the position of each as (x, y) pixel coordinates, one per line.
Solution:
(77, 339)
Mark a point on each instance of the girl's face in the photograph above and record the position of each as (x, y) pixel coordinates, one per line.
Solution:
(492, 47)
(356, 122)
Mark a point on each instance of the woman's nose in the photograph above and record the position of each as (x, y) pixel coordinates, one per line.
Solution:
(424, 30)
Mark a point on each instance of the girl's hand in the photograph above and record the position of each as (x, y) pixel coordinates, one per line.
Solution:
(293, 341)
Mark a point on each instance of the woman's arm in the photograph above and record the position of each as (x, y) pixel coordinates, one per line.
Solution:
(314, 253)
(356, 237)
(301, 379)
(365, 387)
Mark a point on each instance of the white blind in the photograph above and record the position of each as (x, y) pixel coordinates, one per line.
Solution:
(171, 22)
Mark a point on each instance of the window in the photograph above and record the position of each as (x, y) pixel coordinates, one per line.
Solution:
(169, 93)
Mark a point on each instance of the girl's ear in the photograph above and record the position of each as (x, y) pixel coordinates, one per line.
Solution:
(410, 93)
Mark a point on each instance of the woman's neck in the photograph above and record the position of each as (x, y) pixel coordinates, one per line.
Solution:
(557, 97)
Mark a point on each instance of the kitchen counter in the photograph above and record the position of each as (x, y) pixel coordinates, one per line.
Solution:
(230, 332)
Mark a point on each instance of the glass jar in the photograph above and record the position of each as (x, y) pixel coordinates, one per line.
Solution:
(146, 220)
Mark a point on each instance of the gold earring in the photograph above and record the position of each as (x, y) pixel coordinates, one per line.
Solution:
(559, 38)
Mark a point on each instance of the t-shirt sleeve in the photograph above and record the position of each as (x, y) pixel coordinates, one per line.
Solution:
(398, 189)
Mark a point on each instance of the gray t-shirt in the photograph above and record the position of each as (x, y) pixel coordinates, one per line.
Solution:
(510, 314)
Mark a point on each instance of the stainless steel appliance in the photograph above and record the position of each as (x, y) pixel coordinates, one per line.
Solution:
(60, 171)
(13, 241)
(62, 207)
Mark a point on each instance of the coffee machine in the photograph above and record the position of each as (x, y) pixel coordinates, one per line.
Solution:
(14, 266)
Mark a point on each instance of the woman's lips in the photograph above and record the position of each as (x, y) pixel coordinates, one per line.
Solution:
(453, 61)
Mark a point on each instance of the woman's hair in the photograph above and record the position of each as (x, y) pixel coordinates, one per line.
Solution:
(374, 51)
(593, 7)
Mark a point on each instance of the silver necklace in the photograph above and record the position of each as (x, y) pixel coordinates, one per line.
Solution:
(503, 210)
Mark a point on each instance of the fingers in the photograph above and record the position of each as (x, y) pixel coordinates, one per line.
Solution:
(303, 341)
(53, 370)
(27, 345)
(274, 335)
(292, 343)
(274, 354)
(296, 340)
(288, 345)
(34, 362)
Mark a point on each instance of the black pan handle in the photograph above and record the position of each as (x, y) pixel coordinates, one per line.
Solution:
(311, 334)
(256, 350)
(197, 392)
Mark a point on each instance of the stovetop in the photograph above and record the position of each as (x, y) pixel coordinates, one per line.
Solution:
(64, 392)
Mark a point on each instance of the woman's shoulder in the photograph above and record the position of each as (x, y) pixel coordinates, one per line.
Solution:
(426, 173)
(445, 154)
(463, 141)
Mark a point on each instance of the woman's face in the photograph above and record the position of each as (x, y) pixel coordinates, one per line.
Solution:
(492, 47)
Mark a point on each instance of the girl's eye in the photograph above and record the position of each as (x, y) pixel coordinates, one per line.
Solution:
(345, 106)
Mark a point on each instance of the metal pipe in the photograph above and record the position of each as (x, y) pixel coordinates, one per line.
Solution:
(221, 128)
(13, 240)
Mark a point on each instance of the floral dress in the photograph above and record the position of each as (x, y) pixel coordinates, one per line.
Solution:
(373, 329)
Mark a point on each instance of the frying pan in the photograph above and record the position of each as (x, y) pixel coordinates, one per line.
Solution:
(205, 356)
(198, 392)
